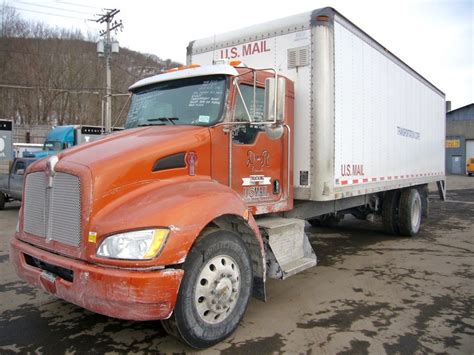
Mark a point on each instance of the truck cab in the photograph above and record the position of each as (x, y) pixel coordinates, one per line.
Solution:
(250, 152)
(58, 138)
(63, 137)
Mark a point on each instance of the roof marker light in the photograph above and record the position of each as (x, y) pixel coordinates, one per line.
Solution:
(183, 68)
(235, 63)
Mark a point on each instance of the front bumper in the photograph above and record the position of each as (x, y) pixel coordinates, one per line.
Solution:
(114, 292)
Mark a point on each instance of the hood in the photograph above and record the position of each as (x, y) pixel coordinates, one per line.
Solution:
(124, 160)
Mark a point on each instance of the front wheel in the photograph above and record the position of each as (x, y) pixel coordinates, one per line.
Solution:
(215, 290)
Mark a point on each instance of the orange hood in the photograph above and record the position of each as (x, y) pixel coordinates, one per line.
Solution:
(123, 160)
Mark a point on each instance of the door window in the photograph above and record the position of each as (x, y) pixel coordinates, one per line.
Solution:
(20, 165)
(246, 134)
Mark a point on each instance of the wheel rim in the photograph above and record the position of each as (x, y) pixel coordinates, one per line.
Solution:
(217, 289)
(416, 213)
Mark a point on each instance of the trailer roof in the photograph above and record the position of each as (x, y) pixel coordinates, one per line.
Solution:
(186, 73)
(294, 23)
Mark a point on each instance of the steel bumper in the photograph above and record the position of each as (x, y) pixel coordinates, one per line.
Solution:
(114, 292)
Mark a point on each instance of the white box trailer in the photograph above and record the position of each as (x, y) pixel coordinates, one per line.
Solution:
(364, 120)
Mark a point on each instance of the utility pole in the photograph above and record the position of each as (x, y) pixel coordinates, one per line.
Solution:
(106, 48)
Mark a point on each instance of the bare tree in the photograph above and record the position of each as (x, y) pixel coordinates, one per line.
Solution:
(53, 75)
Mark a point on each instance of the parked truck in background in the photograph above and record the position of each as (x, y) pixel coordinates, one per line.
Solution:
(63, 137)
(11, 184)
(185, 214)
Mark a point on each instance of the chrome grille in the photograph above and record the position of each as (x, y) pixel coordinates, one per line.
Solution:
(35, 204)
(53, 213)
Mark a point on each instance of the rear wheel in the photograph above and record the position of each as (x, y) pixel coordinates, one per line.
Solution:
(3, 199)
(390, 212)
(410, 212)
(215, 290)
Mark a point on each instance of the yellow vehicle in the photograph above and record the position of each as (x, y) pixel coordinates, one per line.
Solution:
(470, 166)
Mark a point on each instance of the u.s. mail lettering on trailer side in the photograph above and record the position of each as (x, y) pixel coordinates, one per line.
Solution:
(244, 50)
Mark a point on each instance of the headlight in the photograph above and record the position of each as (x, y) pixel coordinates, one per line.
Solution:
(137, 245)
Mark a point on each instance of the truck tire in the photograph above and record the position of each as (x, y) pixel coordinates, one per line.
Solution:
(3, 199)
(425, 201)
(410, 212)
(390, 212)
(215, 290)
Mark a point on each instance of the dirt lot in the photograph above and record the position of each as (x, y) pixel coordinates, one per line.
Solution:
(370, 293)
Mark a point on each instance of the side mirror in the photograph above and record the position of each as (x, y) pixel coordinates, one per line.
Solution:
(20, 172)
(274, 109)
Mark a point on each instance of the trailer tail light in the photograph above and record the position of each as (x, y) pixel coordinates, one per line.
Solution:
(191, 161)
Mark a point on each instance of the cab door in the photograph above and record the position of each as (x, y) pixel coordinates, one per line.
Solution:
(256, 160)
(16, 179)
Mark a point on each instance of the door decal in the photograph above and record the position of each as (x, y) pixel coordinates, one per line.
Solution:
(257, 161)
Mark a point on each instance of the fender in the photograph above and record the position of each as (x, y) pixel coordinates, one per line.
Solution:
(185, 205)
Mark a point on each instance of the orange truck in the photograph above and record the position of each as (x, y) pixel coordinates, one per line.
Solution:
(185, 214)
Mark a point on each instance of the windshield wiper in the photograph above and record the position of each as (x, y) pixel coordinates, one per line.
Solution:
(163, 119)
(151, 124)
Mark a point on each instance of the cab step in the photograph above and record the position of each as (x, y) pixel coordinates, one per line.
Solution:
(288, 249)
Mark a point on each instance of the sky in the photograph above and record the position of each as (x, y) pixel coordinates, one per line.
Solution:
(436, 37)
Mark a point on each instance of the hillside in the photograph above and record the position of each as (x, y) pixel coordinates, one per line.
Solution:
(54, 76)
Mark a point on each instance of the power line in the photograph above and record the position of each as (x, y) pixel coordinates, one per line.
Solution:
(54, 8)
(72, 91)
(79, 5)
(49, 13)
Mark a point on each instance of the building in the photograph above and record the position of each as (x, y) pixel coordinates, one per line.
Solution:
(459, 139)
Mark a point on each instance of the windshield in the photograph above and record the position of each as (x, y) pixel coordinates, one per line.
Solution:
(193, 101)
(53, 145)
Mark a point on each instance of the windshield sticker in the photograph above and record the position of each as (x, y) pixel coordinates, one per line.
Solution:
(203, 119)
